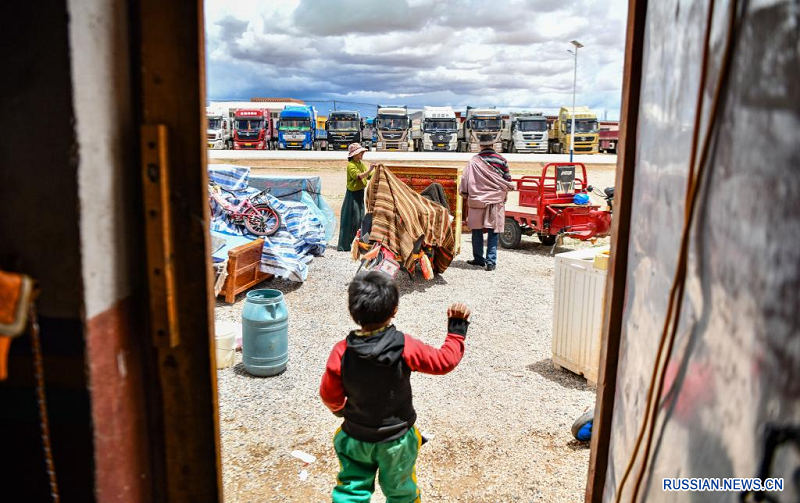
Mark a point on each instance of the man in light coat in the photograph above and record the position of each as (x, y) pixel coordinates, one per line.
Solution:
(485, 185)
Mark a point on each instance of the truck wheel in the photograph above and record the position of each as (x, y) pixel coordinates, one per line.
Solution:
(547, 239)
(512, 234)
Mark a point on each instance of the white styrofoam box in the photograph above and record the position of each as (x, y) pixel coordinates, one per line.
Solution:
(578, 312)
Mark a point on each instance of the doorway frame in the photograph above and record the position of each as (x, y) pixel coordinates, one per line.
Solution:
(181, 378)
(616, 284)
(168, 46)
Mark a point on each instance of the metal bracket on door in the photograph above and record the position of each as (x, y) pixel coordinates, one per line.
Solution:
(158, 229)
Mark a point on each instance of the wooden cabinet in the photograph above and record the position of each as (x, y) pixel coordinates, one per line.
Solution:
(244, 269)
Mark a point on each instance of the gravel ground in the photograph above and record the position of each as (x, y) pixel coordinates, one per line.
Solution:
(500, 422)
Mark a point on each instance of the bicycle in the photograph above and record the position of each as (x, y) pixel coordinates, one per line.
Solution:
(258, 217)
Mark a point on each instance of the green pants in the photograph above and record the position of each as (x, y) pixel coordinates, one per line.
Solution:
(394, 461)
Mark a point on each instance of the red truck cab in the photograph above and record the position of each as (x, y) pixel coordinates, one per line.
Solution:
(609, 137)
(252, 129)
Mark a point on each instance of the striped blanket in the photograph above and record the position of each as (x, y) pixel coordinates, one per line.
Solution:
(288, 252)
(400, 217)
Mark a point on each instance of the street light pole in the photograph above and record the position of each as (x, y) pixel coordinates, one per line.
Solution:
(577, 45)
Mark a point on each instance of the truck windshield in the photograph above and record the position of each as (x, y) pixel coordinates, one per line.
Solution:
(532, 125)
(583, 125)
(393, 122)
(440, 125)
(214, 123)
(343, 125)
(292, 123)
(486, 124)
(249, 124)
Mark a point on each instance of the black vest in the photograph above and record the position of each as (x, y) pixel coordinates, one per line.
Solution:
(377, 382)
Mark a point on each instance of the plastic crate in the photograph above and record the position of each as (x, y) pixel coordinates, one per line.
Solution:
(578, 303)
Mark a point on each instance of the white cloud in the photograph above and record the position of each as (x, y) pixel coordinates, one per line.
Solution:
(507, 53)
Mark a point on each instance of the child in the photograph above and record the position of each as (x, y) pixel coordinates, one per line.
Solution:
(367, 381)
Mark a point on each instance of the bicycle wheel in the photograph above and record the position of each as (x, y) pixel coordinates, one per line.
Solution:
(262, 220)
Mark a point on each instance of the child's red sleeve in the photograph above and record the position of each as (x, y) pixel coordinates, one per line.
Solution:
(427, 359)
(331, 389)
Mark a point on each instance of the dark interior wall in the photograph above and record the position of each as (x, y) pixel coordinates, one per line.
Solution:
(39, 207)
(735, 366)
(39, 229)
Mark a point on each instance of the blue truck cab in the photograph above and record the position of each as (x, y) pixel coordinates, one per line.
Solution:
(370, 131)
(297, 128)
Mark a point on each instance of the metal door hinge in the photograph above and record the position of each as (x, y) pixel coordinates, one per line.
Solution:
(158, 228)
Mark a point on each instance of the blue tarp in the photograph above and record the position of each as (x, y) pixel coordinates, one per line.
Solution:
(231, 242)
(302, 234)
(229, 176)
(303, 189)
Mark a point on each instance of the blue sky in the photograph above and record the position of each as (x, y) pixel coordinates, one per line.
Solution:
(511, 54)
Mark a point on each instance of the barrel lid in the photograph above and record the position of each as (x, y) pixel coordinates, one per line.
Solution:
(265, 296)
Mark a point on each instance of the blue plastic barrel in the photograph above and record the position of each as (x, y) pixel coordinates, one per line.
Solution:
(265, 333)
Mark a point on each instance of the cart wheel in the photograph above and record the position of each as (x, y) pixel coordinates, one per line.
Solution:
(512, 234)
(547, 239)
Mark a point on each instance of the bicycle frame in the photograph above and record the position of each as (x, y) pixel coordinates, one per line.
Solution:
(258, 218)
(234, 211)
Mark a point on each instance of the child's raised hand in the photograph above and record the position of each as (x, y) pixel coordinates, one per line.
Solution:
(458, 310)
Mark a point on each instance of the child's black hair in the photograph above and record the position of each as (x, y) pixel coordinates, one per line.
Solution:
(372, 298)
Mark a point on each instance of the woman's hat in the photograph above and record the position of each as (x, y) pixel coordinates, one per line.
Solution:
(354, 149)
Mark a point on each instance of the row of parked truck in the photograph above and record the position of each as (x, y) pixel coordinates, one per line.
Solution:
(295, 127)
(432, 129)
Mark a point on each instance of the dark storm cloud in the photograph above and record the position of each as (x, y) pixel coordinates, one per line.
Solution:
(231, 27)
(342, 17)
(399, 61)
(417, 51)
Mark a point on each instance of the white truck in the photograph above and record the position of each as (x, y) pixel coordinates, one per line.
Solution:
(479, 121)
(438, 130)
(218, 130)
(525, 132)
(393, 128)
